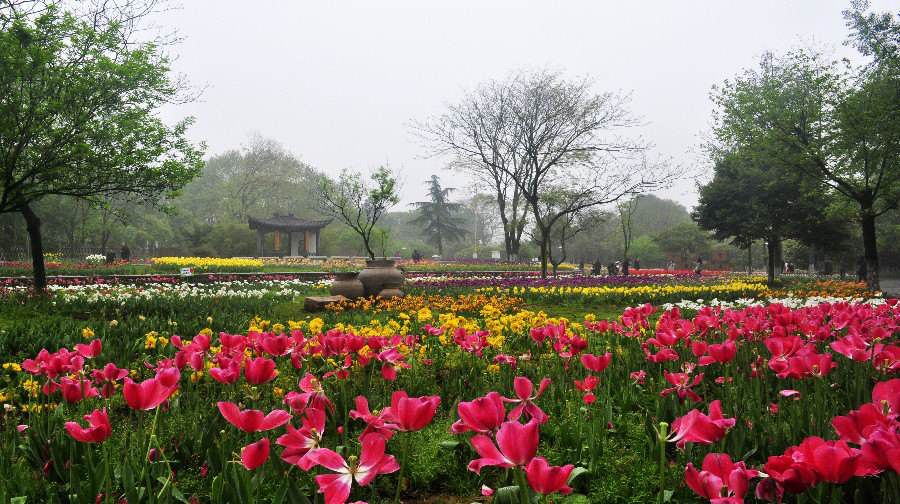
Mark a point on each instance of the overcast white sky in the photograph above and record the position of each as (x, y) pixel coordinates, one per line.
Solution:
(338, 82)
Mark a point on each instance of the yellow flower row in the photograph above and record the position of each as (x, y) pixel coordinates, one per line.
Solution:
(208, 262)
(649, 292)
(418, 303)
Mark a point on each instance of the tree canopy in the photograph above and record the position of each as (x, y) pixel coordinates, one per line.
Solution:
(79, 116)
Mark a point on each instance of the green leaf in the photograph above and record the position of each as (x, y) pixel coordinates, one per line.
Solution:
(506, 495)
(449, 444)
(577, 473)
(18, 500)
(215, 490)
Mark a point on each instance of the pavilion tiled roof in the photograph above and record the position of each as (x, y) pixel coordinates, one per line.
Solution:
(287, 223)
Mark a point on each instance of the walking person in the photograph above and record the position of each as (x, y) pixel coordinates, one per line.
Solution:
(125, 253)
(698, 267)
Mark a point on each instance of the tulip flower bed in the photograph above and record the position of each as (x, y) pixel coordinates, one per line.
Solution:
(635, 294)
(481, 395)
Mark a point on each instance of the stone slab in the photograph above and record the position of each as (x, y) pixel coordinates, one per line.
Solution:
(318, 303)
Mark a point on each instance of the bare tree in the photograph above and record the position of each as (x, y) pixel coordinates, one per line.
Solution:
(567, 137)
(478, 134)
(360, 204)
(626, 212)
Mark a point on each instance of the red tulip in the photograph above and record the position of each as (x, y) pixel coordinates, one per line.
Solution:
(252, 420)
(379, 423)
(719, 473)
(887, 396)
(227, 372)
(525, 399)
(107, 376)
(546, 479)
(152, 392)
(260, 370)
(91, 349)
(312, 396)
(856, 426)
(881, 451)
(833, 461)
(255, 454)
(596, 363)
(695, 427)
(74, 391)
(372, 462)
(792, 475)
(517, 446)
(275, 345)
(411, 414)
(299, 443)
(682, 385)
(483, 414)
(720, 353)
(98, 429)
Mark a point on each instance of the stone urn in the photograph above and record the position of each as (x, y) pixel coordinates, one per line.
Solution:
(347, 284)
(378, 274)
(390, 290)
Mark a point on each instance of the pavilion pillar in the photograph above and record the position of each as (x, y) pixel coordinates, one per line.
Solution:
(295, 244)
(316, 247)
(259, 243)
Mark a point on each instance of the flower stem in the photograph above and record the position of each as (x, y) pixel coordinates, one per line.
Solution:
(404, 456)
(524, 498)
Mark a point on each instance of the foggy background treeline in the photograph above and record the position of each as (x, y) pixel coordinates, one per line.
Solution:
(209, 218)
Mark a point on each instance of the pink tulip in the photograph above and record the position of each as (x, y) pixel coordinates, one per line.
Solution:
(312, 396)
(546, 479)
(98, 429)
(255, 454)
(74, 391)
(682, 385)
(252, 420)
(227, 372)
(374, 423)
(596, 363)
(152, 392)
(525, 400)
(411, 414)
(89, 350)
(695, 427)
(372, 462)
(719, 473)
(299, 443)
(260, 370)
(517, 446)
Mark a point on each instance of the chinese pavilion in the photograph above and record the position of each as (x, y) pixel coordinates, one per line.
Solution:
(295, 231)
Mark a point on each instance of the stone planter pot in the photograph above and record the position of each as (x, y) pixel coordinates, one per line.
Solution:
(379, 273)
(347, 284)
(390, 291)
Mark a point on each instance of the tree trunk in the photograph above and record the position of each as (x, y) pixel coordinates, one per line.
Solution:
(772, 249)
(544, 253)
(870, 248)
(33, 224)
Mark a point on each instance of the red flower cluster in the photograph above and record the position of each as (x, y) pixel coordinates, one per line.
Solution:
(510, 443)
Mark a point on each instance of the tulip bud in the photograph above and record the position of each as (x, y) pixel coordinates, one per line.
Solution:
(153, 455)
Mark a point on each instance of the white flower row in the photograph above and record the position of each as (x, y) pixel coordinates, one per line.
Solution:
(789, 302)
(124, 293)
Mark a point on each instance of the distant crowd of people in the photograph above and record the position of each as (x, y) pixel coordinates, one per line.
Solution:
(624, 267)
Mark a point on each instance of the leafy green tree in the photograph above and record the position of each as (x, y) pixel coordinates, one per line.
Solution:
(79, 116)
(837, 125)
(359, 203)
(684, 242)
(438, 217)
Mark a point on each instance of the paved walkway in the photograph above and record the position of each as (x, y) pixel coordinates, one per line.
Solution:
(891, 286)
